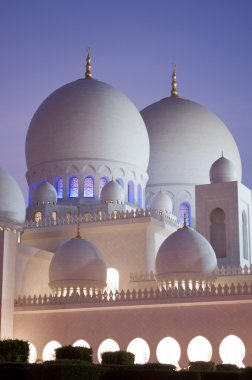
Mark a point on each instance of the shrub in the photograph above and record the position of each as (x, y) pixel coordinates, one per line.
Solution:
(118, 357)
(158, 366)
(66, 370)
(227, 368)
(140, 372)
(14, 350)
(70, 352)
(202, 366)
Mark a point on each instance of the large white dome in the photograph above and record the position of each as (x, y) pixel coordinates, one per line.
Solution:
(84, 120)
(185, 139)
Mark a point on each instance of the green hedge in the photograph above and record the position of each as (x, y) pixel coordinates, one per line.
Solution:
(80, 370)
(149, 372)
(52, 370)
(118, 357)
(227, 368)
(70, 352)
(14, 350)
(202, 366)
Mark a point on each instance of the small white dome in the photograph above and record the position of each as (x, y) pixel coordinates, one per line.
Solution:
(77, 263)
(161, 202)
(112, 192)
(45, 193)
(223, 170)
(12, 204)
(186, 255)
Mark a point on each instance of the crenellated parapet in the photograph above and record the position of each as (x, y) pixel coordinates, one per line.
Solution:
(181, 293)
(103, 216)
(222, 271)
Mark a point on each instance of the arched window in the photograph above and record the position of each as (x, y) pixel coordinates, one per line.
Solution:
(32, 353)
(168, 351)
(199, 349)
(81, 343)
(107, 345)
(49, 350)
(32, 187)
(245, 235)
(89, 187)
(73, 187)
(112, 280)
(68, 217)
(139, 196)
(120, 181)
(58, 184)
(140, 348)
(37, 216)
(232, 350)
(103, 182)
(185, 210)
(218, 232)
(54, 217)
(131, 190)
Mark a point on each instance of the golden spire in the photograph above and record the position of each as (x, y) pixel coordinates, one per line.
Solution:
(174, 89)
(185, 224)
(78, 235)
(88, 73)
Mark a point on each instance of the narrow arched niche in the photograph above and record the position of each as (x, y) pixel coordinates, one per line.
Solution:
(218, 232)
(245, 235)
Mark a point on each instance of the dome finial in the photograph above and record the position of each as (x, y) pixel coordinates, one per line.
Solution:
(88, 73)
(185, 224)
(174, 89)
(78, 235)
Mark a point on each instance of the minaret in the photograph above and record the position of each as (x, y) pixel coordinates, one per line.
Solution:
(174, 87)
(88, 73)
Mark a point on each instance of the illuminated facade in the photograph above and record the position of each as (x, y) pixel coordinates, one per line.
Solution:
(114, 249)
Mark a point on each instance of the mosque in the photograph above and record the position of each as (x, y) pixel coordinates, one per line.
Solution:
(137, 233)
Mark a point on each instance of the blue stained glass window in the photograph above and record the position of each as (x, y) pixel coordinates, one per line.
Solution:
(59, 187)
(185, 210)
(139, 196)
(73, 187)
(32, 188)
(103, 182)
(89, 187)
(131, 197)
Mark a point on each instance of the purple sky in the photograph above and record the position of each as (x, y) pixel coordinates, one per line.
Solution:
(134, 42)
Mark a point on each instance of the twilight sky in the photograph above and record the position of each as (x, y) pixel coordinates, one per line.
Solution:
(134, 42)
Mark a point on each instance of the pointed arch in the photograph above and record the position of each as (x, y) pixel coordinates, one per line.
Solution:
(103, 181)
(139, 196)
(37, 216)
(32, 188)
(218, 232)
(58, 184)
(245, 235)
(73, 187)
(185, 210)
(112, 280)
(131, 192)
(88, 187)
